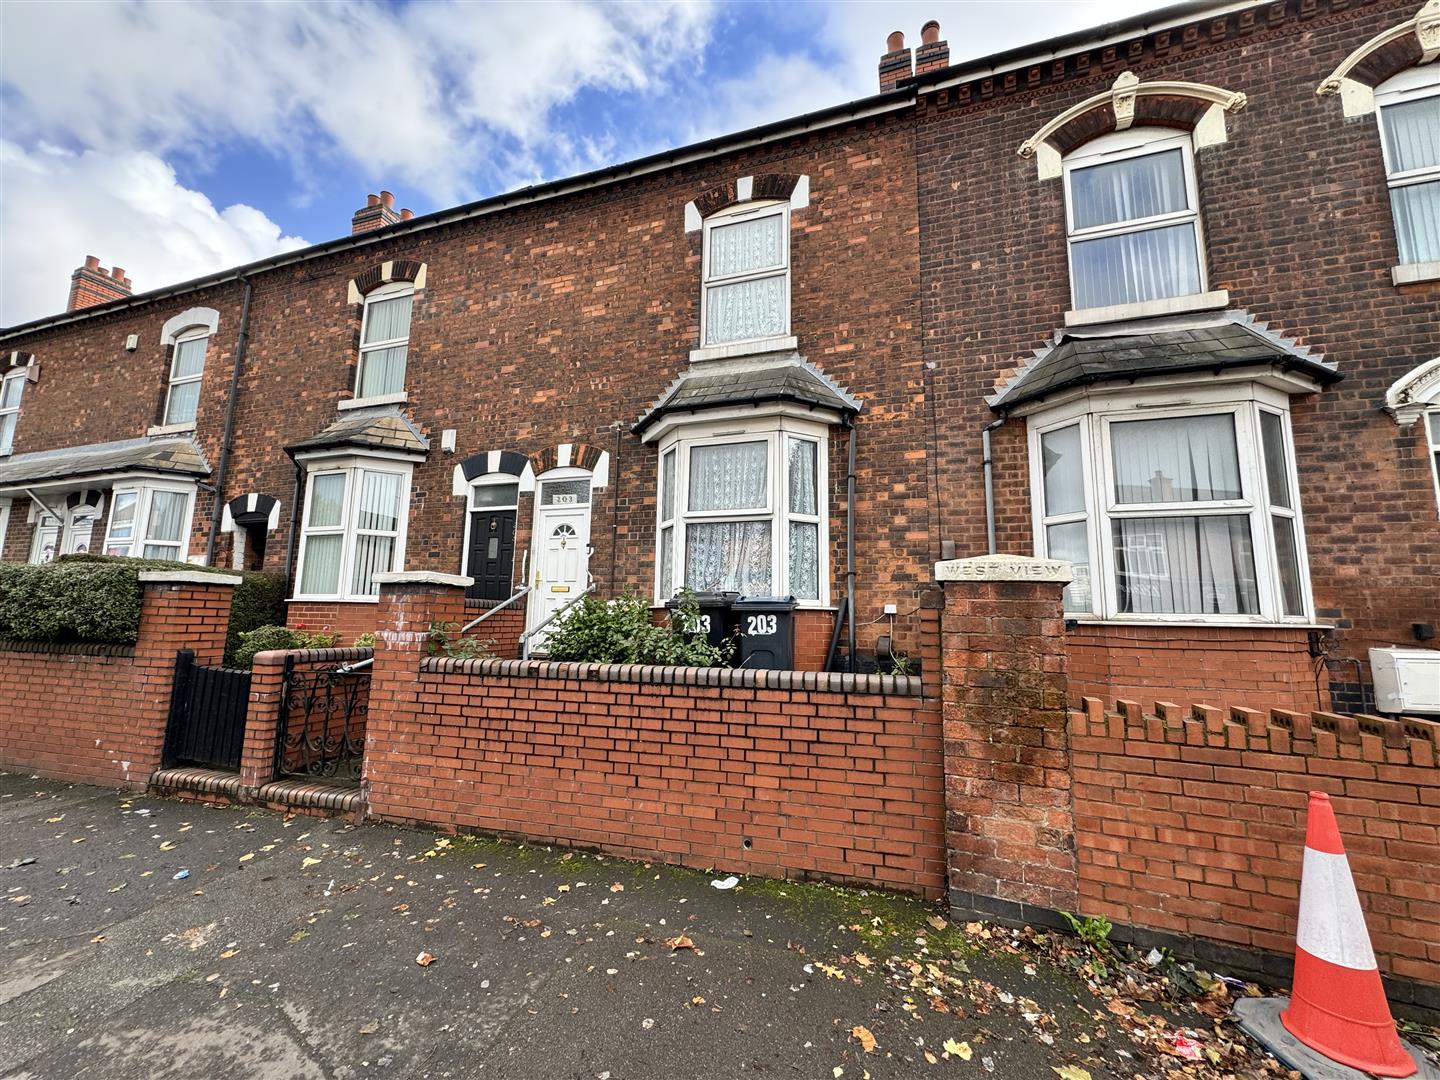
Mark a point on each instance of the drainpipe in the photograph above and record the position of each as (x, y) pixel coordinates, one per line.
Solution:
(290, 538)
(227, 441)
(850, 544)
(989, 482)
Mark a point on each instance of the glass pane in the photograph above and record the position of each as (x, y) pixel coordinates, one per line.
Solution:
(184, 399)
(321, 573)
(327, 500)
(1412, 134)
(1185, 565)
(1277, 476)
(667, 486)
(803, 497)
(496, 494)
(805, 560)
(1417, 221)
(1433, 419)
(728, 555)
(167, 513)
(747, 246)
(1135, 267)
(189, 358)
(372, 556)
(1126, 190)
(122, 515)
(388, 320)
(382, 371)
(667, 563)
(7, 431)
(729, 476)
(1064, 478)
(565, 492)
(1178, 459)
(1071, 542)
(745, 310)
(121, 548)
(379, 506)
(1288, 559)
(168, 552)
(11, 390)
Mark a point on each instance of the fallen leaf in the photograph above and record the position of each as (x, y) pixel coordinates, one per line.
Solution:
(937, 922)
(308, 861)
(862, 960)
(958, 1049)
(247, 857)
(862, 1035)
(617, 887)
(1070, 1072)
(477, 866)
(680, 942)
(561, 888)
(168, 845)
(424, 959)
(53, 820)
(370, 1028)
(97, 939)
(228, 953)
(931, 1058)
(697, 1000)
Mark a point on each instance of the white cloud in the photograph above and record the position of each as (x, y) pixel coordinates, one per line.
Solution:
(125, 207)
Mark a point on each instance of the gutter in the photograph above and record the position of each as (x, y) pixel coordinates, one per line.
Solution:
(227, 442)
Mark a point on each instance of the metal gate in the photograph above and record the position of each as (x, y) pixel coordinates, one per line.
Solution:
(207, 714)
(322, 723)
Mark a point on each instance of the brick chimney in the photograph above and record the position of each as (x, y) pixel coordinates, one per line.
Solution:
(378, 211)
(92, 284)
(895, 64)
(933, 54)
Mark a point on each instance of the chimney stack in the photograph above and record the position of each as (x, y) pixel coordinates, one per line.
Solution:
(895, 64)
(933, 54)
(92, 284)
(378, 211)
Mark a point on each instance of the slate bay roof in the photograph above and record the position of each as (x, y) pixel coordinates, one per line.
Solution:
(1125, 352)
(388, 430)
(165, 457)
(716, 384)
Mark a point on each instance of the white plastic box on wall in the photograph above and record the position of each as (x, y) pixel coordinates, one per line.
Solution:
(1406, 680)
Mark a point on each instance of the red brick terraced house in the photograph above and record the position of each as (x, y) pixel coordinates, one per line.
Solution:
(1161, 299)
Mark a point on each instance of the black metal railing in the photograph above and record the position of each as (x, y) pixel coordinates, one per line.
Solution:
(322, 723)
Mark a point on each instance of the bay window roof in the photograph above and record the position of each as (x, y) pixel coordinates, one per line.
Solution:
(718, 385)
(384, 430)
(1123, 353)
(163, 457)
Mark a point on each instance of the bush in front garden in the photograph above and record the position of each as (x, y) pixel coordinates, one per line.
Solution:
(265, 638)
(70, 601)
(621, 631)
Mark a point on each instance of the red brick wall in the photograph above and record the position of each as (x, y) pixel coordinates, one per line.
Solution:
(97, 714)
(1193, 822)
(349, 620)
(823, 783)
(1266, 667)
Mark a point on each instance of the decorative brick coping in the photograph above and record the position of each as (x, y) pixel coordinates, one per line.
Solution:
(67, 648)
(348, 655)
(668, 675)
(296, 794)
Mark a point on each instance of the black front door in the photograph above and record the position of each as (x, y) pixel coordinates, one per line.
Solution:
(492, 553)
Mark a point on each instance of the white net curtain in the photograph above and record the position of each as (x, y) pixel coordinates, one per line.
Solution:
(1412, 145)
(753, 306)
(729, 555)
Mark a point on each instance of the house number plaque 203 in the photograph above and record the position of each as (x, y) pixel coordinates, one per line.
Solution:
(760, 625)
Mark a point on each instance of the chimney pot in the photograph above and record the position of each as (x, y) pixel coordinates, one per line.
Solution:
(372, 200)
(895, 42)
(92, 284)
(387, 199)
(930, 32)
(117, 273)
(933, 54)
(896, 65)
(406, 214)
(92, 262)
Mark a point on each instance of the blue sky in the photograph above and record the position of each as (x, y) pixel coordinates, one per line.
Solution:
(178, 138)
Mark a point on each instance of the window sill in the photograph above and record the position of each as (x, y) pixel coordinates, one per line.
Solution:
(401, 398)
(755, 347)
(1173, 305)
(1411, 273)
(1237, 623)
(332, 600)
(170, 429)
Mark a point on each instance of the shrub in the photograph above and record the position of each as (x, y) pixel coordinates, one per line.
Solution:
(265, 638)
(446, 641)
(66, 601)
(621, 631)
(365, 640)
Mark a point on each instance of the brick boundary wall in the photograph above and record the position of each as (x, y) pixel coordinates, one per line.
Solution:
(1192, 821)
(96, 714)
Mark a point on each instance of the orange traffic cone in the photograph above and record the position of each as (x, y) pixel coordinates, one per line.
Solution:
(1337, 1005)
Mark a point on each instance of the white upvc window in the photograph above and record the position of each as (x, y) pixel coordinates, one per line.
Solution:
(745, 291)
(1409, 111)
(1132, 219)
(384, 341)
(12, 389)
(354, 528)
(744, 511)
(1432, 432)
(150, 521)
(1182, 511)
(187, 369)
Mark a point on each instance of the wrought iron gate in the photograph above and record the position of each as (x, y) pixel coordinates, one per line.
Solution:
(322, 723)
(207, 714)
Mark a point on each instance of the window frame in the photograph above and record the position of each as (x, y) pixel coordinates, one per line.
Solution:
(144, 492)
(776, 433)
(390, 291)
(353, 469)
(18, 376)
(197, 333)
(1121, 146)
(1413, 84)
(1430, 419)
(1095, 415)
(732, 215)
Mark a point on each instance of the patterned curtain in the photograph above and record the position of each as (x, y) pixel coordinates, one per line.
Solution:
(728, 555)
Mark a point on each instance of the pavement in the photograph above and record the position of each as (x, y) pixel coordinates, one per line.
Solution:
(144, 937)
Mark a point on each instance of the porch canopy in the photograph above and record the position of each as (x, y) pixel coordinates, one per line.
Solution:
(75, 468)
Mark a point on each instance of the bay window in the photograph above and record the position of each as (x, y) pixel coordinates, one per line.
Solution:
(1409, 108)
(12, 388)
(187, 369)
(1132, 219)
(745, 294)
(354, 528)
(743, 510)
(384, 341)
(150, 521)
(1173, 511)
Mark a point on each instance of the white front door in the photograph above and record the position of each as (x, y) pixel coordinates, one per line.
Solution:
(79, 533)
(562, 541)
